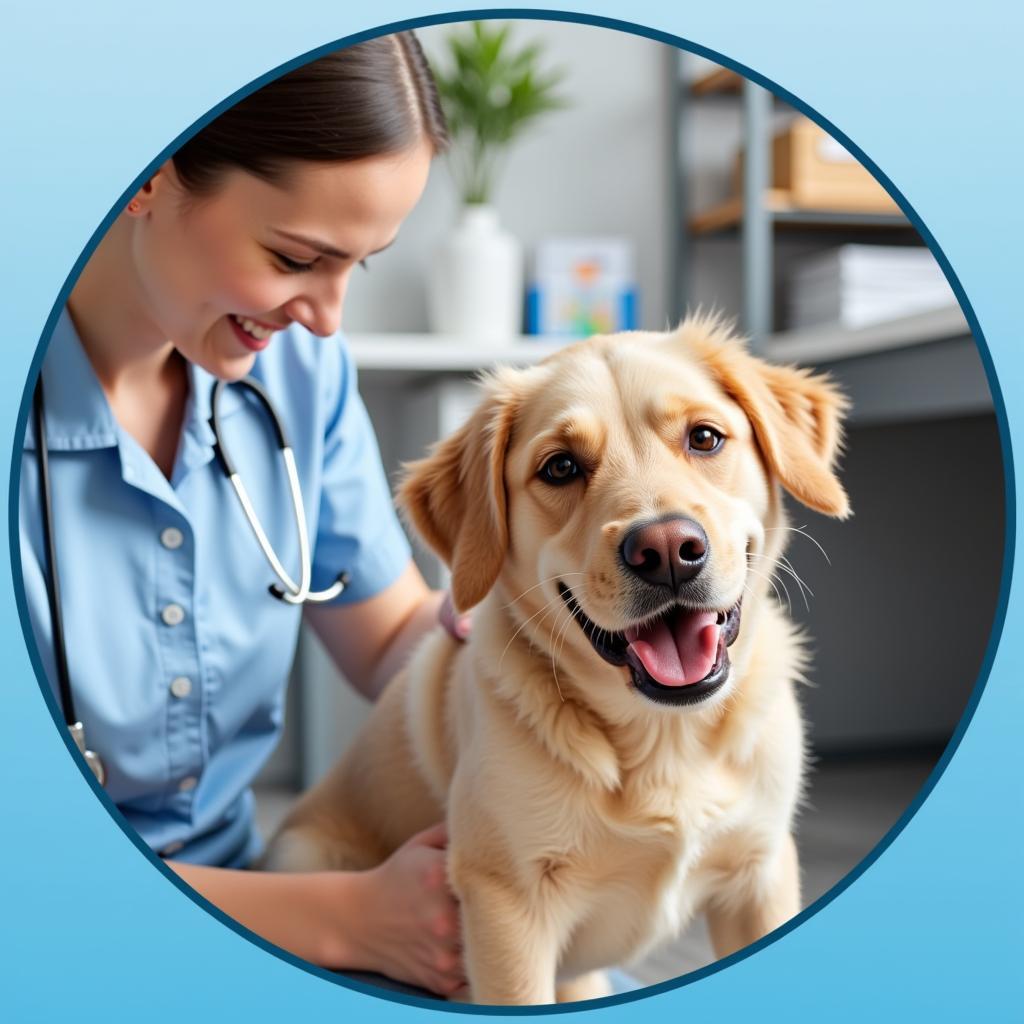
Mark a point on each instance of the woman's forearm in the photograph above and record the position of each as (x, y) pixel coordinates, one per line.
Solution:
(398, 919)
(298, 912)
(370, 640)
(423, 618)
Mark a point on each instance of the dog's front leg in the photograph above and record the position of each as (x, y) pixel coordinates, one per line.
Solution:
(768, 897)
(510, 951)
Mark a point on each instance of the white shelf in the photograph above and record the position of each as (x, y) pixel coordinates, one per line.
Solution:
(440, 353)
(829, 344)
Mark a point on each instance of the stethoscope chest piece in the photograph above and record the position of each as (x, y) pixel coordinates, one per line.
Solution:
(92, 759)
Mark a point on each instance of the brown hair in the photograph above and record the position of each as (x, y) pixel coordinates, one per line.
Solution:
(371, 99)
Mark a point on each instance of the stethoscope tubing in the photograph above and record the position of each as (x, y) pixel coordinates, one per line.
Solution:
(60, 654)
(50, 553)
(289, 591)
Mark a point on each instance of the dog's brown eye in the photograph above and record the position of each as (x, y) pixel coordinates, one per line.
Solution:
(705, 440)
(560, 469)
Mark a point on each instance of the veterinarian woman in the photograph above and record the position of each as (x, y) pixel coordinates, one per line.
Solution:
(234, 260)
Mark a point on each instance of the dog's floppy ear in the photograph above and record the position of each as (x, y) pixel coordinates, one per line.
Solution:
(796, 415)
(455, 498)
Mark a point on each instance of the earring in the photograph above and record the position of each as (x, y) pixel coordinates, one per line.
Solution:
(134, 206)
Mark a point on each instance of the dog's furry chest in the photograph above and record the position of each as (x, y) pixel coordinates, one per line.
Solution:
(620, 833)
(646, 882)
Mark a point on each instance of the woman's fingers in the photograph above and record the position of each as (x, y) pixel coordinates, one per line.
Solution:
(457, 625)
(451, 975)
(436, 836)
(416, 927)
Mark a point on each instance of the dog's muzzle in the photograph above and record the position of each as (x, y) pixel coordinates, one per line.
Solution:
(678, 657)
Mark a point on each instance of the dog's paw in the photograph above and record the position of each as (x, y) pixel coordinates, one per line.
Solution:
(293, 851)
(594, 985)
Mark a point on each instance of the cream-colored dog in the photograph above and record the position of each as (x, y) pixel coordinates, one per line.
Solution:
(614, 750)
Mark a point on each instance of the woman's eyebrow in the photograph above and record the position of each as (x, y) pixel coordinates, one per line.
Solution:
(323, 247)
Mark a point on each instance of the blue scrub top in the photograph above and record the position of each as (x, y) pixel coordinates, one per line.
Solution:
(178, 654)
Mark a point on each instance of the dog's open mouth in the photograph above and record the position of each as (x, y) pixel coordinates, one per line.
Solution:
(680, 657)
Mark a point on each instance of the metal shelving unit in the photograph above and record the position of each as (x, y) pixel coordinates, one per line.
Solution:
(759, 211)
(920, 435)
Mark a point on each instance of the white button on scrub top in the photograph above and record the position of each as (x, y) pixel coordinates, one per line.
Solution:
(172, 538)
(181, 686)
(187, 783)
(173, 615)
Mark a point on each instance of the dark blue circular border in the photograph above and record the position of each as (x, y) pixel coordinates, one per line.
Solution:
(983, 352)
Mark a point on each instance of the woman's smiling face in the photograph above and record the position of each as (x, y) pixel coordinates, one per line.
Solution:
(273, 255)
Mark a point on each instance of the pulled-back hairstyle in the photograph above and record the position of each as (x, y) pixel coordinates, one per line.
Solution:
(371, 99)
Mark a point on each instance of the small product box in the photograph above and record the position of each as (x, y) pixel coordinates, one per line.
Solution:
(582, 286)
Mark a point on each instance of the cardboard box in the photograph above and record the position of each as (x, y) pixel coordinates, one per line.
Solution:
(818, 173)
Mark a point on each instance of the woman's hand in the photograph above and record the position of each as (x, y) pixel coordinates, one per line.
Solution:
(457, 625)
(398, 919)
(409, 930)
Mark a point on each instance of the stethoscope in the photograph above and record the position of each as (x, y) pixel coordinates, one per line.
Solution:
(286, 589)
(290, 592)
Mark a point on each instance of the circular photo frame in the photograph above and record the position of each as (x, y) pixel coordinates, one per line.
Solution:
(827, 361)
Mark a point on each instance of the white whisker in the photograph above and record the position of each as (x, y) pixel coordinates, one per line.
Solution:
(546, 607)
(554, 664)
(561, 646)
(782, 564)
(799, 583)
(771, 582)
(803, 533)
(541, 584)
(787, 566)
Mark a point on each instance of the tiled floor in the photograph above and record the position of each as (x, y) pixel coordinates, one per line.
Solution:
(852, 803)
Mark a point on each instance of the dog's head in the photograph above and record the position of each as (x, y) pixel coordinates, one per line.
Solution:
(632, 483)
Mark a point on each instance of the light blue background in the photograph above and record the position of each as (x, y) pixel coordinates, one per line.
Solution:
(932, 92)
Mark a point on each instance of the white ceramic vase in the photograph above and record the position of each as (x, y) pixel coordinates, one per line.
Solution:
(476, 283)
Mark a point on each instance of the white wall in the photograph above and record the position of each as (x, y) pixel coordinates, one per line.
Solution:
(598, 167)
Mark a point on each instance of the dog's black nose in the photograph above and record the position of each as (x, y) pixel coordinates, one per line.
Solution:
(668, 552)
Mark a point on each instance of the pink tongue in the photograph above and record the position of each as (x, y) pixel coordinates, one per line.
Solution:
(679, 651)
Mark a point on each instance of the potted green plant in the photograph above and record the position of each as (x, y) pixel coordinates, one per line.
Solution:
(491, 92)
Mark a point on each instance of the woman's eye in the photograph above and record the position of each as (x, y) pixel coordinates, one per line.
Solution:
(294, 266)
(705, 440)
(560, 469)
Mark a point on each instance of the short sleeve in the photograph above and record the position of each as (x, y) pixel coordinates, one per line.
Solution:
(358, 531)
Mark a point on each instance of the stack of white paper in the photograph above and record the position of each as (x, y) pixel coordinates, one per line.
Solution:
(859, 285)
